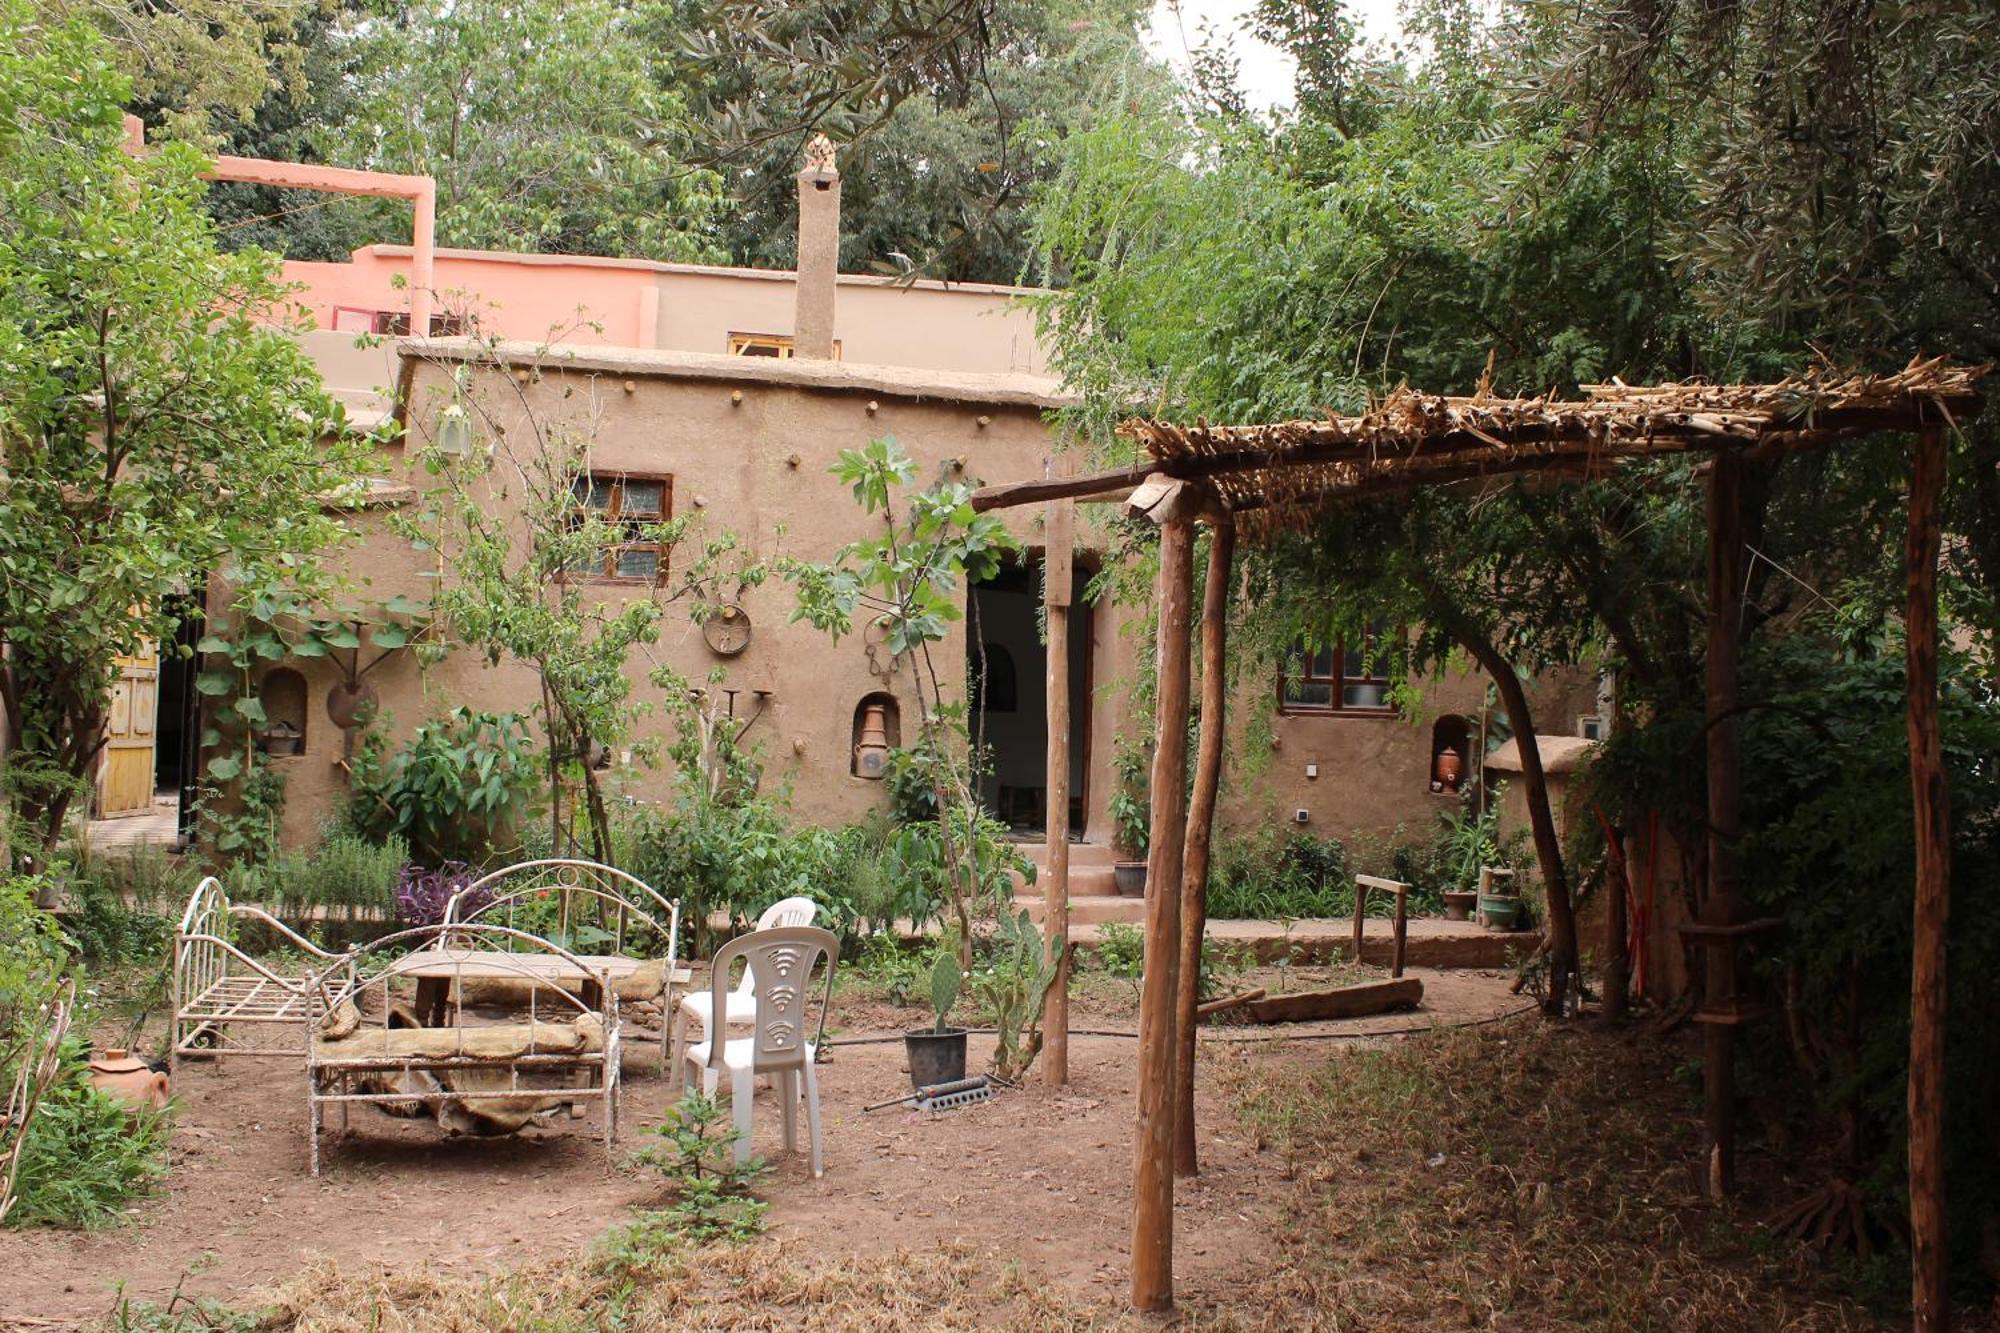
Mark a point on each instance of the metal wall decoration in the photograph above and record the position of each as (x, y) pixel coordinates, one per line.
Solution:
(727, 632)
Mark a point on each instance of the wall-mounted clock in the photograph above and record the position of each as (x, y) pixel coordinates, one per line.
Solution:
(727, 631)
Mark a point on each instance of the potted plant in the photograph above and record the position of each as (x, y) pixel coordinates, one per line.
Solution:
(1131, 819)
(937, 1053)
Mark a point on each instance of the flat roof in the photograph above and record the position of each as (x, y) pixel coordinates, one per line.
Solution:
(539, 258)
(1010, 389)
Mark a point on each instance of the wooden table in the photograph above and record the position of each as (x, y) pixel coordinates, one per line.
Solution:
(436, 969)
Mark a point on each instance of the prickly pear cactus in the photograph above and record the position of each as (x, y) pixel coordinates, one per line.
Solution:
(945, 982)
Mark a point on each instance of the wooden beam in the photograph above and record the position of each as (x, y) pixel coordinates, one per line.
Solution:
(1929, 1295)
(1724, 731)
(1059, 538)
(1400, 929)
(1014, 494)
(1201, 829)
(1370, 997)
(1153, 1149)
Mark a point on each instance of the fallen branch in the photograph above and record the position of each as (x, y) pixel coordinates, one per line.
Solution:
(1228, 1003)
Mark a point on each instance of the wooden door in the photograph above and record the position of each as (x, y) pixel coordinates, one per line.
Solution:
(125, 774)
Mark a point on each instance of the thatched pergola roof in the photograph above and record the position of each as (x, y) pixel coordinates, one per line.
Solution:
(1417, 439)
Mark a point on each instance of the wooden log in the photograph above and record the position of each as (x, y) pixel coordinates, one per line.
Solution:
(1402, 933)
(1929, 1296)
(1057, 572)
(1360, 918)
(1153, 1146)
(1200, 831)
(1370, 997)
(1724, 760)
(1227, 1003)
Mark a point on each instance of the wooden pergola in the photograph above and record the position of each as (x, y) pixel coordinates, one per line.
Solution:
(1254, 480)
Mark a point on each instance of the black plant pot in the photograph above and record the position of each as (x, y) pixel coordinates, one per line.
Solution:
(1129, 878)
(935, 1057)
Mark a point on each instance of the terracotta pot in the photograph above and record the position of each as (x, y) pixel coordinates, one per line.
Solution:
(349, 702)
(1450, 767)
(871, 752)
(1458, 904)
(118, 1073)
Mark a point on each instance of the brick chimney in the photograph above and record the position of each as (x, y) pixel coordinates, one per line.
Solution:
(819, 251)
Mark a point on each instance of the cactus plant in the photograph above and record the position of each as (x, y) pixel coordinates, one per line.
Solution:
(945, 982)
(1014, 984)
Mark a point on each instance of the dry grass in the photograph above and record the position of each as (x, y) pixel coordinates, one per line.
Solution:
(765, 1284)
(1519, 1176)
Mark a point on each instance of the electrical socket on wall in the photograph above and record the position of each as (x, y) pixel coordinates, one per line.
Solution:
(1312, 770)
(1301, 816)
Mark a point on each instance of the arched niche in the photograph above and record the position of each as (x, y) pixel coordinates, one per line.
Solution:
(1451, 735)
(878, 729)
(282, 691)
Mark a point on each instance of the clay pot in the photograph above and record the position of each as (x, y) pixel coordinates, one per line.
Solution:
(1129, 878)
(120, 1074)
(349, 702)
(1450, 767)
(871, 752)
(1458, 905)
(282, 739)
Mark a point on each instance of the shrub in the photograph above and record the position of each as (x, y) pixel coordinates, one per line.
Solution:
(103, 929)
(422, 894)
(86, 1155)
(696, 1158)
(1259, 877)
(345, 869)
(457, 790)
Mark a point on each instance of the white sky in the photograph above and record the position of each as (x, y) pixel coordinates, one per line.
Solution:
(1266, 71)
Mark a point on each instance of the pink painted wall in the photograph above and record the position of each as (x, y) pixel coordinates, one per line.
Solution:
(679, 307)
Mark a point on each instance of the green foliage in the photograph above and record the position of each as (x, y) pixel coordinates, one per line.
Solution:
(32, 960)
(457, 790)
(946, 979)
(908, 582)
(343, 869)
(548, 127)
(696, 1158)
(1263, 876)
(1121, 950)
(103, 929)
(1013, 979)
(159, 418)
(937, 171)
(86, 1156)
(1131, 808)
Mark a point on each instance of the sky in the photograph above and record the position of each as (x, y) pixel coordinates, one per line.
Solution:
(1266, 71)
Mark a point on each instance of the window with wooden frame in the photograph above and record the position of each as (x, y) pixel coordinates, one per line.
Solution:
(768, 344)
(1337, 677)
(631, 504)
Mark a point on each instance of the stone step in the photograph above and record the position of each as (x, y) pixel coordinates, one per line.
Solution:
(1081, 854)
(1091, 911)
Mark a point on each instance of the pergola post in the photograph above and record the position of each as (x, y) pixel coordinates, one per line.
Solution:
(1057, 572)
(1168, 504)
(1724, 732)
(1929, 1299)
(1200, 830)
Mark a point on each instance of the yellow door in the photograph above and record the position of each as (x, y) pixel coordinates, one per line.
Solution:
(125, 774)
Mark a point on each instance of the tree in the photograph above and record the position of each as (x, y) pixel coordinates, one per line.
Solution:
(157, 430)
(548, 127)
(937, 170)
(196, 67)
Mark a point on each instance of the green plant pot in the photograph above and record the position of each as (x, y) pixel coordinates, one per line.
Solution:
(1500, 911)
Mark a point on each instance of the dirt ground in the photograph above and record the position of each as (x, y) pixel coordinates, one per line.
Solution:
(1038, 1175)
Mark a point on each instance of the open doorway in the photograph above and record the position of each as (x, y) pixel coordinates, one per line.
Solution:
(1007, 693)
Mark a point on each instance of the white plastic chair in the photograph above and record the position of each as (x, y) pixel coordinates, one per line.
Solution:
(782, 961)
(742, 1002)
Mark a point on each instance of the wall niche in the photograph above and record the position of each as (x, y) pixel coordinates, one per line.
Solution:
(282, 691)
(878, 729)
(1451, 754)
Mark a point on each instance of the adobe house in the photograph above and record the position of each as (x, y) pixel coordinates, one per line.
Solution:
(727, 394)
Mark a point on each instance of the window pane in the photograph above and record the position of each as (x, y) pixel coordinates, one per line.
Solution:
(1364, 696)
(643, 497)
(1308, 694)
(593, 491)
(638, 563)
